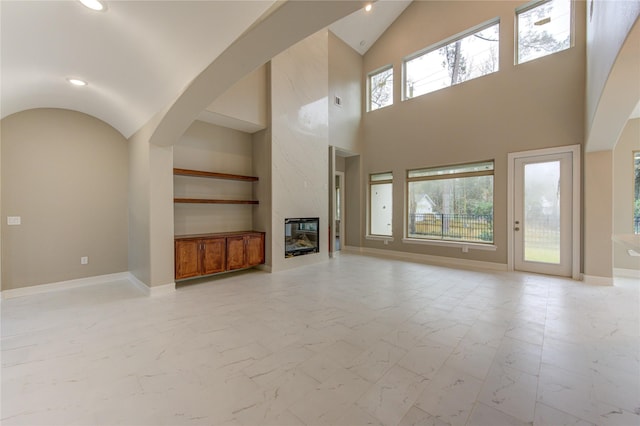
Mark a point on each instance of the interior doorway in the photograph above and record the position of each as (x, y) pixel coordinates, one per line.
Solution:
(544, 219)
(339, 210)
(345, 200)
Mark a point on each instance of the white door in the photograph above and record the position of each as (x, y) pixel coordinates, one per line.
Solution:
(543, 214)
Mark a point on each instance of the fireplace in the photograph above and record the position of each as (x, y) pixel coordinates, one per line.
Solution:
(301, 236)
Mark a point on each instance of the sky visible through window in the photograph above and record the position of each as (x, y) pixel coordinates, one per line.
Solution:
(544, 29)
(467, 58)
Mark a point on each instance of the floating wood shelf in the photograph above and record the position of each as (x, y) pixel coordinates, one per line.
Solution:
(214, 175)
(211, 201)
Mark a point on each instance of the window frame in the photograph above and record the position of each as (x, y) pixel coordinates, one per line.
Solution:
(530, 6)
(371, 182)
(465, 244)
(372, 74)
(635, 226)
(442, 43)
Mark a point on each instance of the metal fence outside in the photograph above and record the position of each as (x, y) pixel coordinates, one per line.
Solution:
(459, 227)
(636, 224)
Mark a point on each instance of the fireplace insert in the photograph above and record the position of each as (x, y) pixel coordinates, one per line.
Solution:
(301, 236)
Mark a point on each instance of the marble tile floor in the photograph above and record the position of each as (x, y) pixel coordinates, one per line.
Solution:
(353, 341)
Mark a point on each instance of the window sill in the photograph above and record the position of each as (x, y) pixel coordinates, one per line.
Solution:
(379, 238)
(455, 244)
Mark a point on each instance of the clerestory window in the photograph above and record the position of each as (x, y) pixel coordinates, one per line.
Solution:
(380, 88)
(472, 54)
(543, 28)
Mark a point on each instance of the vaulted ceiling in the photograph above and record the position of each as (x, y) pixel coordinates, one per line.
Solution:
(136, 56)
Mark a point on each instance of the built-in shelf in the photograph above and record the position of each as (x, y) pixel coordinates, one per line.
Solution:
(214, 175)
(212, 201)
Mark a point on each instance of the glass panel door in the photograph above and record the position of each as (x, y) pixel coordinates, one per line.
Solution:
(542, 214)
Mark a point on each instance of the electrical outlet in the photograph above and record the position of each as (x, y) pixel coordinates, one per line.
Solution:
(465, 249)
(14, 220)
(84, 260)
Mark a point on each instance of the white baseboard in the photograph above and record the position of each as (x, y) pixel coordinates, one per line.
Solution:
(596, 280)
(81, 282)
(64, 285)
(627, 273)
(427, 258)
(152, 291)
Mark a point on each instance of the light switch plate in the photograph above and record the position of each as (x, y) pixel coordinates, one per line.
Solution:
(13, 220)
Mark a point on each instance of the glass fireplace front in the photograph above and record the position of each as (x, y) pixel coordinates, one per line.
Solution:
(301, 236)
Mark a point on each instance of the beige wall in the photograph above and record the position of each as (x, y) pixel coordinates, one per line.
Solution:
(150, 209)
(299, 143)
(262, 217)
(354, 201)
(66, 175)
(139, 214)
(345, 74)
(217, 149)
(534, 105)
(598, 215)
(246, 100)
(623, 191)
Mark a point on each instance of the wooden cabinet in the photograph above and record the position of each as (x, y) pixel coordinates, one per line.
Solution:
(255, 249)
(187, 258)
(206, 254)
(213, 256)
(199, 256)
(244, 251)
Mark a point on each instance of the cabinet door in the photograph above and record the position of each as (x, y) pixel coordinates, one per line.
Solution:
(255, 249)
(236, 253)
(187, 259)
(213, 256)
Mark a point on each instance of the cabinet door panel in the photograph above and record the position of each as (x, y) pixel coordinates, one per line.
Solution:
(255, 249)
(235, 253)
(213, 256)
(187, 259)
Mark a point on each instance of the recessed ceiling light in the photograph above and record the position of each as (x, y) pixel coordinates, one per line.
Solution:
(96, 5)
(368, 7)
(77, 82)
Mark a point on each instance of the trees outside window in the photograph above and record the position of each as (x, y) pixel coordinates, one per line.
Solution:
(380, 88)
(451, 203)
(543, 28)
(471, 55)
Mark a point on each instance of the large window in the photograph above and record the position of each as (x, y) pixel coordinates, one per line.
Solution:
(636, 199)
(465, 57)
(380, 86)
(380, 204)
(544, 27)
(451, 203)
